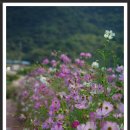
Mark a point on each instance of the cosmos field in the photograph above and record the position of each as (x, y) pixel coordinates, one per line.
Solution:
(65, 93)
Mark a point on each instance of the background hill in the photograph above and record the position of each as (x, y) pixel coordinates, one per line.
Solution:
(33, 32)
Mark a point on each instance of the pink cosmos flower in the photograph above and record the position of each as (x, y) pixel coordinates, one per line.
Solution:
(48, 123)
(87, 126)
(97, 88)
(81, 106)
(118, 115)
(45, 61)
(110, 126)
(92, 116)
(55, 105)
(111, 77)
(90, 126)
(88, 55)
(57, 127)
(60, 117)
(65, 58)
(36, 122)
(88, 77)
(37, 105)
(25, 94)
(53, 63)
(38, 71)
(80, 62)
(104, 111)
(82, 54)
(120, 69)
(81, 127)
(121, 107)
(121, 77)
(109, 70)
(117, 96)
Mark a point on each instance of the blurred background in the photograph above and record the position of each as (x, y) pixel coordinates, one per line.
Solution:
(33, 32)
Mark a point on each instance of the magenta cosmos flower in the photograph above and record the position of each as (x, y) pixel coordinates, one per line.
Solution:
(75, 124)
(110, 126)
(87, 126)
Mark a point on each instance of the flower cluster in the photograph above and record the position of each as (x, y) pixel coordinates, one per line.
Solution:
(80, 102)
(66, 95)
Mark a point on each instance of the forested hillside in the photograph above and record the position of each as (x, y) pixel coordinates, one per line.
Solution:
(33, 32)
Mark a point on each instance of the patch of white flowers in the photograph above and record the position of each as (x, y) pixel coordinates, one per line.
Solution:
(109, 34)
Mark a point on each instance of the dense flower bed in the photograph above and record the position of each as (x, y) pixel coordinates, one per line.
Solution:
(66, 94)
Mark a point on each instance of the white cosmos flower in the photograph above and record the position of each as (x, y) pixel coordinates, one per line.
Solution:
(95, 65)
(109, 34)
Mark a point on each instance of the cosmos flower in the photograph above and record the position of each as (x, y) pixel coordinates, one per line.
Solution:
(22, 117)
(86, 55)
(61, 94)
(120, 107)
(92, 116)
(90, 126)
(45, 61)
(54, 63)
(109, 70)
(109, 34)
(95, 65)
(65, 58)
(60, 117)
(87, 126)
(81, 127)
(37, 105)
(117, 96)
(121, 77)
(75, 124)
(38, 71)
(36, 122)
(82, 54)
(104, 111)
(118, 115)
(48, 123)
(57, 127)
(120, 69)
(111, 77)
(25, 94)
(80, 62)
(110, 126)
(81, 105)
(88, 77)
(97, 89)
(55, 105)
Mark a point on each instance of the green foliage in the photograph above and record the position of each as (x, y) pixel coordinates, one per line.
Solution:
(11, 92)
(11, 78)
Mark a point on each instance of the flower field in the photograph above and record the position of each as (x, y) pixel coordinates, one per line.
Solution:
(62, 93)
